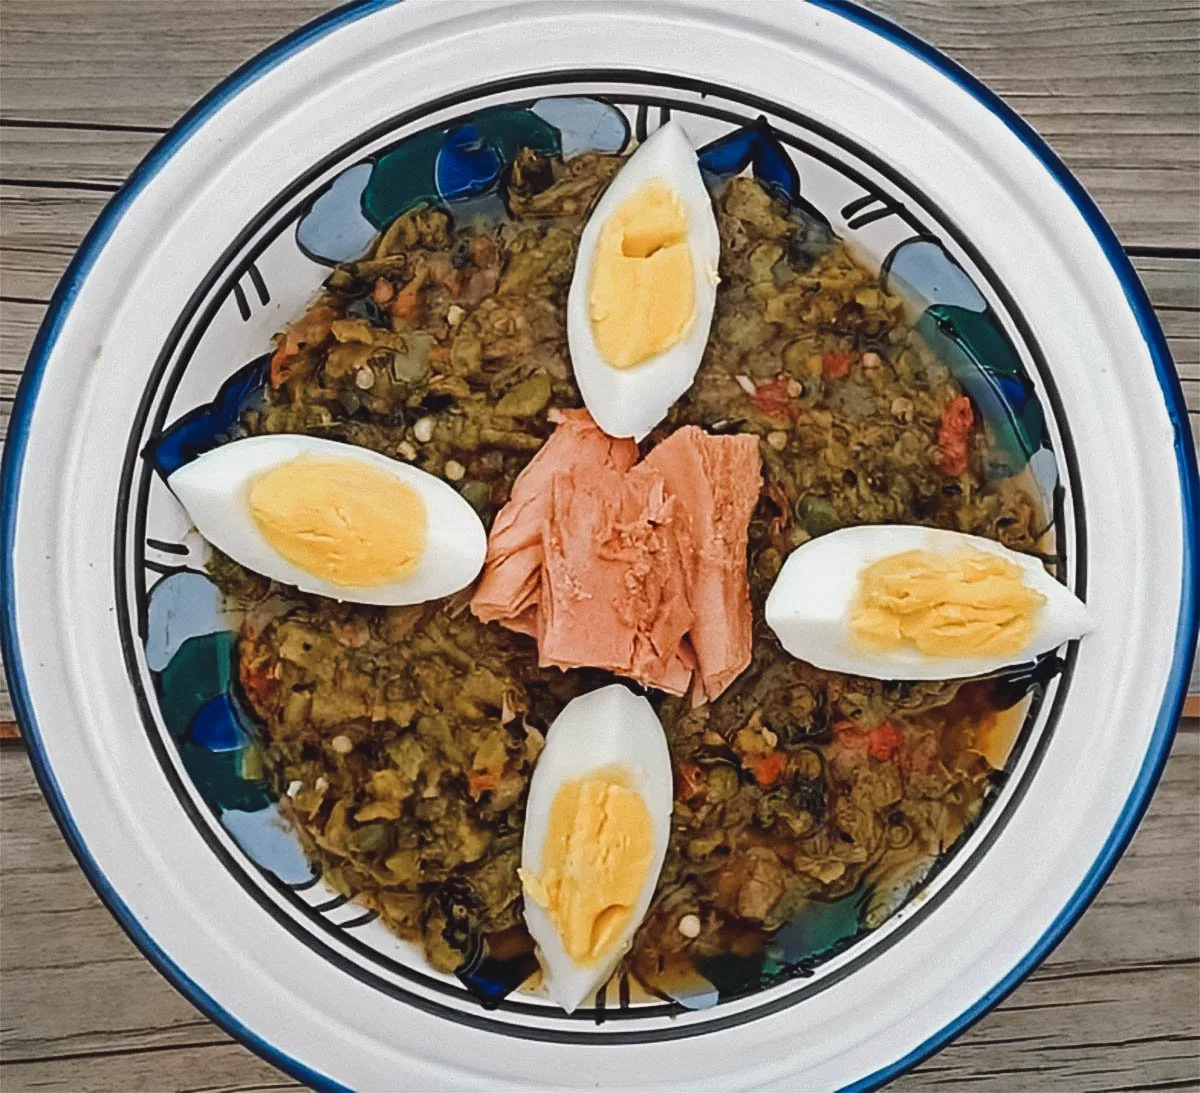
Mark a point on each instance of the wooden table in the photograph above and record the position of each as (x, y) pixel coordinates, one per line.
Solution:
(89, 85)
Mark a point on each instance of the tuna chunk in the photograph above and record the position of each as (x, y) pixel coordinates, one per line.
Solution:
(614, 583)
(509, 589)
(717, 479)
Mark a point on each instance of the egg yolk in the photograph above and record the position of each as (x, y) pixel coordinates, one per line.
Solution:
(349, 523)
(966, 603)
(596, 858)
(643, 295)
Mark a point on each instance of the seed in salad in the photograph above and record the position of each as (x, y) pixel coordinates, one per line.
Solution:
(689, 926)
(454, 470)
(423, 430)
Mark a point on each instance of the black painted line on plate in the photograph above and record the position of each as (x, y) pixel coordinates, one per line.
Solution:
(362, 920)
(860, 203)
(243, 305)
(330, 904)
(471, 1017)
(885, 210)
(642, 123)
(260, 286)
(165, 570)
(167, 548)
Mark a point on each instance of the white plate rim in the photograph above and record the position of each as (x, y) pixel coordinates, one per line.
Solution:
(78, 270)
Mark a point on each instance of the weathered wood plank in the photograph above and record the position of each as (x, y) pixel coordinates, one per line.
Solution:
(221, 1067)
(130, 62)
(62, 953)
(1110, 83)
(1173, 285)
(40, 228)
(8, 390)
(19, 320)
(89, 157)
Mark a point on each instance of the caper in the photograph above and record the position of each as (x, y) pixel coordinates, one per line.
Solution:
(722, 782)
(899, 832)
(527, 398)
(412, 366)
(817, 515)
(372, 838)
(476, 493)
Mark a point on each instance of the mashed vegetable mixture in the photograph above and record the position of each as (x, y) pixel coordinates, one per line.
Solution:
(402, 739)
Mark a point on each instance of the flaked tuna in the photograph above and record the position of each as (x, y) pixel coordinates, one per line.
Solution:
(640, 570)
(717, 480)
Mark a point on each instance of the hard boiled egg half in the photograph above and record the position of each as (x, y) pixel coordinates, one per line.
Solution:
(333, 519)
(645, 284)
(904, 602)
(596, 831)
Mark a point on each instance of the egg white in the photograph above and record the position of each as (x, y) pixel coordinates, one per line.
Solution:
(631, 401)
(214, 489)
(810, 604)
(609, 727)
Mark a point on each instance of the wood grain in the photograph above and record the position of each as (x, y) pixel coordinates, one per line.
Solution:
(87, 87)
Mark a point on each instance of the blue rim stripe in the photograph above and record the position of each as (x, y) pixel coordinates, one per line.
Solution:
(72, 282)
(1189, 486)
(61, 302)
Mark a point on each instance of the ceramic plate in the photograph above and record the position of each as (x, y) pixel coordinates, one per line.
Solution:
(118, 650)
